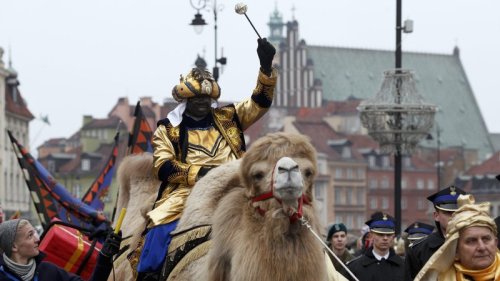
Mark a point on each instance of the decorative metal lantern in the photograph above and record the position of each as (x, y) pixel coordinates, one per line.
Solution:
(397, 118)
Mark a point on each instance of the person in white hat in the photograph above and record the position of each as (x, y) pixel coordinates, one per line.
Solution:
(470, 249)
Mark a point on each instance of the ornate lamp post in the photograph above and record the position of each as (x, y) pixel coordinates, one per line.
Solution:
(198, 22)
(397, 117)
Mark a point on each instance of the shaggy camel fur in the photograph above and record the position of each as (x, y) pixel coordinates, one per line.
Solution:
(245, 244)
(137, 192)
(249, 246)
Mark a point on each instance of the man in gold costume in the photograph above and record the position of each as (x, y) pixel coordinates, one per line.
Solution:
(469, 252)
(194, 138)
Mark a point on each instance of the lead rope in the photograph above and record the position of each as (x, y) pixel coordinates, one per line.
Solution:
(305, 223)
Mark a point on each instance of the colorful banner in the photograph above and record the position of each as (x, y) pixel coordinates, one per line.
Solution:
(140, 140)
(51, 199)
(100, 187)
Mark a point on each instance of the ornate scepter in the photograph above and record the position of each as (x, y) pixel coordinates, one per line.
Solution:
(241, 8)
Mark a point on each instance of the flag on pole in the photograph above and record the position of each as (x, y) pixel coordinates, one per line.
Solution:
(140, 140)
(51, 199)
(100, 187)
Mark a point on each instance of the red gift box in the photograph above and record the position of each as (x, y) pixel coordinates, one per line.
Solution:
(67, 247)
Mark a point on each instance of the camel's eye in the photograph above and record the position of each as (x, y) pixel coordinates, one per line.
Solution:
(308, 173)
(257, 176)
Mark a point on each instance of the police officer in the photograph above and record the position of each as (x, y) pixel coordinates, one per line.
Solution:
(379, 262)
(417, 231)
(445, 204)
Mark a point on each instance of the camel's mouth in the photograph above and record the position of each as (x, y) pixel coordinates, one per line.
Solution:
(286, 187)
(287, 193)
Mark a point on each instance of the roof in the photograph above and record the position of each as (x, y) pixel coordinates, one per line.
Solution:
(324, 136)
(110, 122)
(18, 105)
(440, 79)
(55, 142)
(490, 166)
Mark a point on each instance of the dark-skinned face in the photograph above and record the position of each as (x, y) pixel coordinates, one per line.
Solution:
(198, 106)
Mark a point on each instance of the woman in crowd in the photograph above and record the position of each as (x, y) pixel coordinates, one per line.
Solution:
(21, 260)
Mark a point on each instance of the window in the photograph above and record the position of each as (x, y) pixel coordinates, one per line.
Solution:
(361, 221)
(404, 185)
(420, 184)
(385, 183)
(385, 161)
(339, 218)
(338, 195)
(349, 221)
(346, 152)
(350, 174)
(385, 203)
(51, 166)
(338, 173)
(322, 167)
(371, 161)
(85, 164)
(77, 189)
(404, 204)
(349, 195)
(430, 184)
(361, 173)
(360, 196)
(373, 203)
(319, 190)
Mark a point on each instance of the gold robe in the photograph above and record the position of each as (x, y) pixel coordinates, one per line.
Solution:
(177, 166)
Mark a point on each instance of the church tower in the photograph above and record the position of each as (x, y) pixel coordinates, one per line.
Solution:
(276, 26)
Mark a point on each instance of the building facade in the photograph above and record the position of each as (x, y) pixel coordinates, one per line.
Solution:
(15, 117)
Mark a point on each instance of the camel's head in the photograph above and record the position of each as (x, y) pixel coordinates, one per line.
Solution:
(287, 181)
(278, 172)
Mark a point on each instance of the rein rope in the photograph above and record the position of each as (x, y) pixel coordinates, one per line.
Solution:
(305, 223)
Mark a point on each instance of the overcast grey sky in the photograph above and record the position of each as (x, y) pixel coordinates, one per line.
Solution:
(77, 58)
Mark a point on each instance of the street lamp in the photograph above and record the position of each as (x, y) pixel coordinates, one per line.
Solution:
(397, 117)
(198, 22)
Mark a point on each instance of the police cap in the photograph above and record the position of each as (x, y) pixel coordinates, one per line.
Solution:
(382, 223)
(446, 199)
(418, 230)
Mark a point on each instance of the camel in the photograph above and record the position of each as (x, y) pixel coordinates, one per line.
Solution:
(254, 209)
(138, 189)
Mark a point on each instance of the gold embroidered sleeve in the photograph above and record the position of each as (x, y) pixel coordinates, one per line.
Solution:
(251, 109)
(165, 164)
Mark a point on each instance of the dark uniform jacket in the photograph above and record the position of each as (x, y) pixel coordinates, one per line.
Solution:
(367, 268)
(46, 271)
(345, 258)
(420, 252)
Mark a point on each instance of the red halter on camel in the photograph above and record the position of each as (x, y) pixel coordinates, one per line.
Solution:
(293, 214)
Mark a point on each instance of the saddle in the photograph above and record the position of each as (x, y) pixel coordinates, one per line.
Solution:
(186, 246)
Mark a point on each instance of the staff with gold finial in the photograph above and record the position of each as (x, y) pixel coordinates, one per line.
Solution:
(120, 220)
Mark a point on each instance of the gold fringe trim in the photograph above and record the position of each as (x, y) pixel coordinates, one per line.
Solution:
(134, 256)
(192, 256)
(179, 241)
